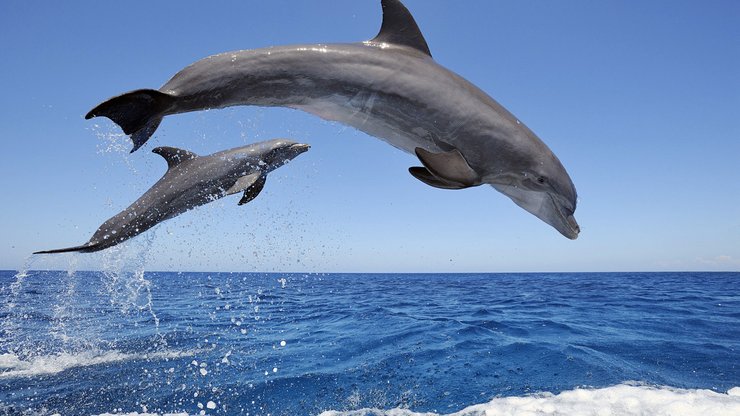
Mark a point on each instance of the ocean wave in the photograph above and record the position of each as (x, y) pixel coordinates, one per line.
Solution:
(11, 366)
(619, 400)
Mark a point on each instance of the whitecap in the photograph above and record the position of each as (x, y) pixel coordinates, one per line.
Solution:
(12, 366)
(619, 400)
(143, 414)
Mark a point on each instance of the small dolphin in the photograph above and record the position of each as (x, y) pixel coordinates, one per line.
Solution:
(191, 181)
(388, 87)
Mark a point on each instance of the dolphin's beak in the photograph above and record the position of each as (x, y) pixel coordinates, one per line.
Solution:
(558, 212)
(300, 148)
(568, 228)
(573, 228)
(284, 153)
(551, 208)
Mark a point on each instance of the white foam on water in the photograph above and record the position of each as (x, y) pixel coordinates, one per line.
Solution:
(143, 414)
(619, 400)
(11, 366)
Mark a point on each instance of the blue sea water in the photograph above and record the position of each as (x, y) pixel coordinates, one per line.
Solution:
(91, 343)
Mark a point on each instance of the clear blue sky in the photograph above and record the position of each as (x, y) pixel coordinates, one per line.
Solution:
(639, 100)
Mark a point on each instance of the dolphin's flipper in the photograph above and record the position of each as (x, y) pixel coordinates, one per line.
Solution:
(173, 155)
(400, 28)
(138, 113)
(253, 190)
(449, 167)
(251, 185)
(428, 178)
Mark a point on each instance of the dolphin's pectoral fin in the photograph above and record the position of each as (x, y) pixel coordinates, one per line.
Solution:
(253, 190)
(173, 155)
(450, 167)
(251, 184)
(243, 183)
(428, 178)
(400, 28)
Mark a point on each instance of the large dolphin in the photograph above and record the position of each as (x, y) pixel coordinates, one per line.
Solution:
(191, 181)
(389, 87)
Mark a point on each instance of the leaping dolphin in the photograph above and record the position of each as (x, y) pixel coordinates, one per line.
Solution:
(388, 87)
(191, 181)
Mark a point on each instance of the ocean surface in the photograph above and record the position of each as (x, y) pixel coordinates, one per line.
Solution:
(94, 343)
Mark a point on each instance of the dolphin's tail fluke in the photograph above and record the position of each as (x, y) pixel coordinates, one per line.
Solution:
(137, 112)
(85, 248)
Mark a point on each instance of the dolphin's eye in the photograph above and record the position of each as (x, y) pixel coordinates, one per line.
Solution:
(541, 179)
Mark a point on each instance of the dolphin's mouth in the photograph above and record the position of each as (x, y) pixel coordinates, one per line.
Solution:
(567, 219)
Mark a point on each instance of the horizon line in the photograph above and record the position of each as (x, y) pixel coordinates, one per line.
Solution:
(389, 272)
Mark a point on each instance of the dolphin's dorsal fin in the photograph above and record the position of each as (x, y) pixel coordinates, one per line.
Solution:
(251, 184)
(400, 28)
(173, 155)
(450, 167)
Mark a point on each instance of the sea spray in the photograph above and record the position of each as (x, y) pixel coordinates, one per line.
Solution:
(11, 328)
(17, 285)
(71, 331)
(61, 307)
(124, 281)
(111, 140)
(65, 311)
(55, 321)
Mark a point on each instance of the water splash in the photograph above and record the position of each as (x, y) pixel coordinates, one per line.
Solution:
(125, 284)
(57, 320)
(63, 309)
(17, 285)
(112, 140)
(69, 324)
(11, 323)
